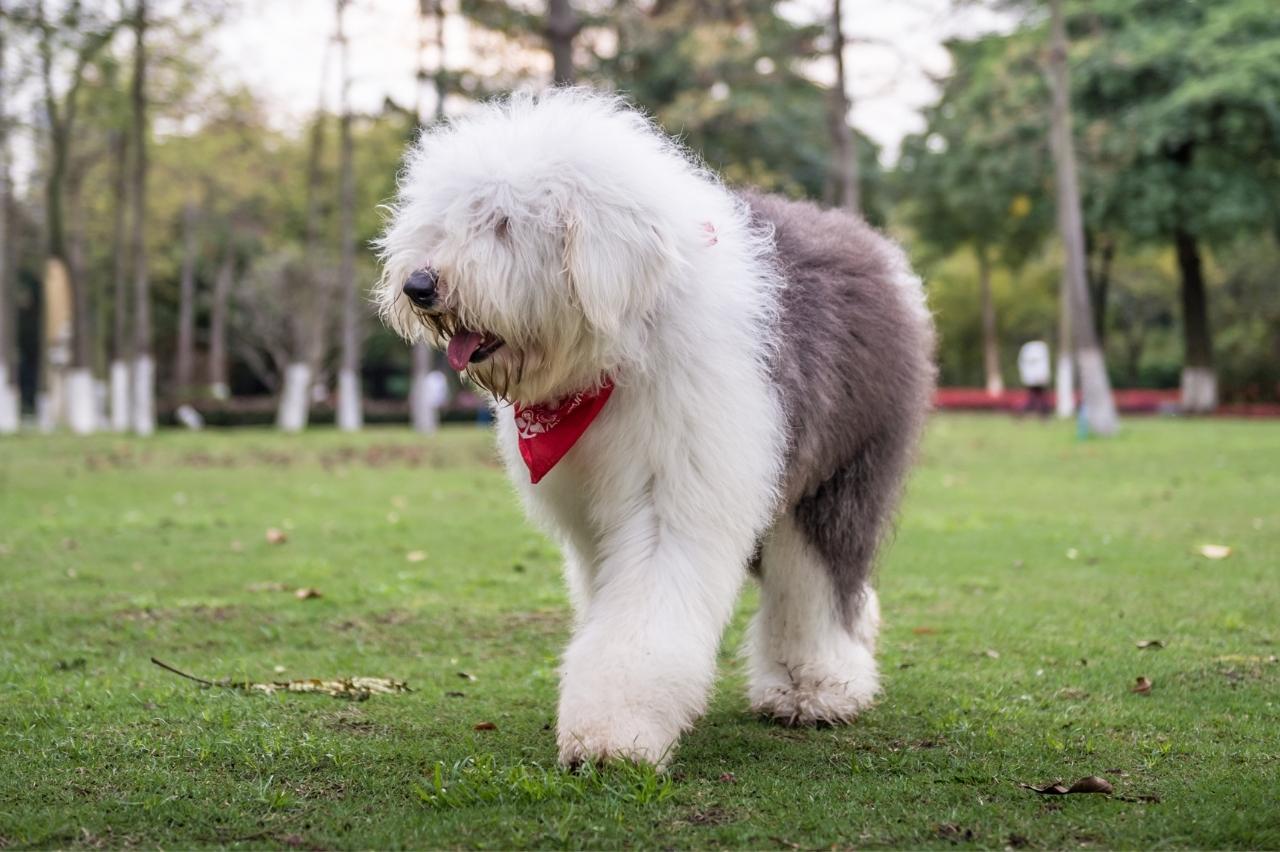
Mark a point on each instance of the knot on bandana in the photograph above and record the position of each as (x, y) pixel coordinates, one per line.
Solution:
(548, 431)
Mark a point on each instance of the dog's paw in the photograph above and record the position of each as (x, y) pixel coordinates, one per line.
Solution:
(815, 694)
(596, 737)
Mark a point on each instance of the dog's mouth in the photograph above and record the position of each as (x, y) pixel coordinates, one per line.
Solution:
(471, 347)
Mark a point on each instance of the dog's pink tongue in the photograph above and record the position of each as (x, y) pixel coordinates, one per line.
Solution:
(461, 347)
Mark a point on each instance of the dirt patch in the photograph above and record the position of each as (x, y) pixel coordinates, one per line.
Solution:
(713, 815)
(217, 614)
(351, 722)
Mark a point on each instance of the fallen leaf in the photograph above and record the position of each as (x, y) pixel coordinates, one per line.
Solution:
(923, 631)
(455, 694)
(1214, 551)
(279, 669)
(728, 778)
(350, 688)
(1072, 694)
(415, 555)
(1141, 686)
(306, 593)
(485, 726)
(1072, 553)
(276, 536)
(466, 676)
(992, 653)
(1246, 658)
(1150, 645)
(1088, 784)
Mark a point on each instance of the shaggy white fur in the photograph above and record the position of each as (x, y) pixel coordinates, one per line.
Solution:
(569, 228)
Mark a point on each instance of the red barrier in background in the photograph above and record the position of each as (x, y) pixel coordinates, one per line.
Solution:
(1129, 401)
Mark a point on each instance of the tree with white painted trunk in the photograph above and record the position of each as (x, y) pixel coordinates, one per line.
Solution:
(219, 380)
(308, 325)
(142, 378)
(424, 396)
(1099, 405)
(66, 46)
(184, 352)
(121, 342)
(350, 414)
(8, 374)
(1187, 95)
(1064, 378)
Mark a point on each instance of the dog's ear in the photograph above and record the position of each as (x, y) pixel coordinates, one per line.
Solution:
(618, 260)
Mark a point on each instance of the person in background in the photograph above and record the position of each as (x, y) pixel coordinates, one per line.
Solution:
(1035, 371)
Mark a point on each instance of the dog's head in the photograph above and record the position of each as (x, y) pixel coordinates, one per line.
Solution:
(533, 241)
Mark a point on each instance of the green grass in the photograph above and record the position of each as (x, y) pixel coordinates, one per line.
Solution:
(1006, 660)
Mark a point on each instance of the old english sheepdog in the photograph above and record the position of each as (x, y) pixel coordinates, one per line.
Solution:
(689, 385)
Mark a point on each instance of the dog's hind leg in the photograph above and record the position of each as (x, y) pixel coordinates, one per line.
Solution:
(812, 644)
(811, 655)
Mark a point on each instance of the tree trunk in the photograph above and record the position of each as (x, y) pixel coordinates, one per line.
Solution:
(8, 330)
(142, 377)
(562, 27)
(1099, 406)
(219, 386)
(309, 325)
(844, 143)
(1065, 377)
(1199, 380)
(423, 413)
(57, 294)
(1100, 284)
(120, 343)
(990, 340)
(184, 358)
(295, 398)
(80, 397)
(350, 415)
(422, 406)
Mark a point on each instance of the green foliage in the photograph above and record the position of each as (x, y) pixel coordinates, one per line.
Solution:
(981, 174)
(1026, 302)
(1247, 312)
(1180, 108)
(1177, 127)
(730, 79)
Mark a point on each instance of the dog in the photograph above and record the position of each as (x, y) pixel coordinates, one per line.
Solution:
(689, 385)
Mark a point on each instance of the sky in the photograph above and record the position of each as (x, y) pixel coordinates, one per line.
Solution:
(278, 48)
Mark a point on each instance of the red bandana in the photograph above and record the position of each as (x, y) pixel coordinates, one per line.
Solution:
(547, 432)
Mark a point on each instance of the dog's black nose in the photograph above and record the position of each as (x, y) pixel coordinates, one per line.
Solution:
(421, 287)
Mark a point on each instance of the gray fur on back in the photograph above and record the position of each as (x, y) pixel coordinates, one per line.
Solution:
(855, 368)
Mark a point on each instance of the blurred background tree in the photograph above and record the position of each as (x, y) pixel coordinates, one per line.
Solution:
(229, 269)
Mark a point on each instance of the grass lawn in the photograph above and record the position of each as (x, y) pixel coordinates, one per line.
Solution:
(1026, 567)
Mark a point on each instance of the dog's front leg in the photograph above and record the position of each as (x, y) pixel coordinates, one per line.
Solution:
(642, 659)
